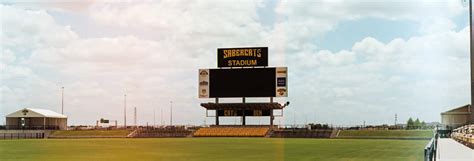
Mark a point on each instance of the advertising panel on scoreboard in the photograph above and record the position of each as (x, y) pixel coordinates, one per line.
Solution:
(203, 83)
(242, 57)
(281, 89)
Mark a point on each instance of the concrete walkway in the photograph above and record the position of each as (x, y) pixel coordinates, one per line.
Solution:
(451, 150)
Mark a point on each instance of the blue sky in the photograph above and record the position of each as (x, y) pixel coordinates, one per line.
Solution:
(349, 61)
(383, 30)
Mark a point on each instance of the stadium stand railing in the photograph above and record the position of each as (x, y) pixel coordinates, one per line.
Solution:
(89, 133)
(22, 134)
(47, 127)
(430, 149)
(5, 136)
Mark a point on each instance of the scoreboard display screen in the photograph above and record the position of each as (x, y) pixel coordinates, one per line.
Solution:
(243, 82)
(246, 82)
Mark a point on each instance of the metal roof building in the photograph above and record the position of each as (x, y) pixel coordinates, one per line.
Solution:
(457, 117)
(31, 118)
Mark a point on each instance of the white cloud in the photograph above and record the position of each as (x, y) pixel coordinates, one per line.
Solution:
(437, 25)
(31, 29)
(353, 9)
(55, 5)
(7, 57)
(214, 18)
(9, 72)
(418, 77)
(97, 71)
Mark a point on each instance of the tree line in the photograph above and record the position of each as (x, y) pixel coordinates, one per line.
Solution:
(415, 124)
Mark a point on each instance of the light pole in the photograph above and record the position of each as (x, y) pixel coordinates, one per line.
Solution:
(154, 123)
(62, 100)
(125, 111)
(171, 113)
(135, 116)
(471, 48)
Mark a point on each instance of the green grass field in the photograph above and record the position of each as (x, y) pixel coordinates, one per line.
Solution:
(83, 133)
(387, 133)
(206, 149)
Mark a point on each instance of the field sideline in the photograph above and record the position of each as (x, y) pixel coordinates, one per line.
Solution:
(204, 149)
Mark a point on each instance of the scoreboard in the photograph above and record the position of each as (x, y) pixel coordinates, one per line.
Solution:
(243, 72)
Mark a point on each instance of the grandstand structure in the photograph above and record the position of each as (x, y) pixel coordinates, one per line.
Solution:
(166, 132)
(303, 133)
(230, 131)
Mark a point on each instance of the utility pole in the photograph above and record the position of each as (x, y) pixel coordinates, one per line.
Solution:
(171, 113)
(305, 120)
(294, 119)
(62, 100)
(154, 116)
(161, 117)
(125, 111)
(396, 117)
(471, 45)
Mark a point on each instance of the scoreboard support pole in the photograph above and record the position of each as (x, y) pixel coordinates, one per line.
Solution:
(271, 114)
(217, 119)
(243, 114)
(217, 116)
(271, 117)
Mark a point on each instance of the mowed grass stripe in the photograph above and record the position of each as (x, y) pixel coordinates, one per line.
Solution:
(359, 149)
(203, 149)
(85, 133)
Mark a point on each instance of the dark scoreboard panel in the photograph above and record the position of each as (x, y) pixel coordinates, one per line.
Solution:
(246, 82)
(242, 112)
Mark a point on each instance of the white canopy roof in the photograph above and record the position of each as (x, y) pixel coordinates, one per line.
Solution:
(33, 112)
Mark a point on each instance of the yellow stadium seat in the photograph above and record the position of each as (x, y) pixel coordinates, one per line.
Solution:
(231, 132)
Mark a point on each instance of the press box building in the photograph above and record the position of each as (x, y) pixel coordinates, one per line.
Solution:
(40, 119)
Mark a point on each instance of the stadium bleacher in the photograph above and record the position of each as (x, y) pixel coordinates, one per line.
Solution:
(231, 131)
(464, 135)
(163, 132)
(301, 133)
